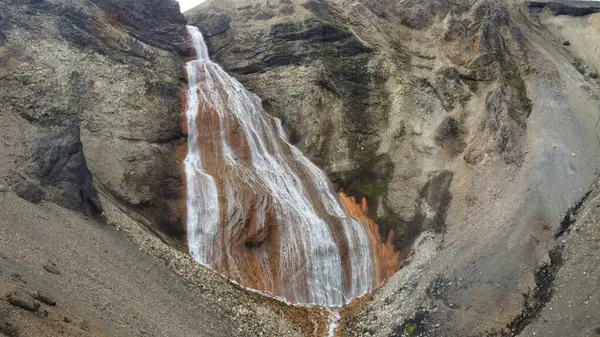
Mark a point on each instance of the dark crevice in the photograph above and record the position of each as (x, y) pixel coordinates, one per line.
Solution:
(545, 277)
(536, 300)
(571, 8)
(466, 77)
(173, 138)
(569, 217)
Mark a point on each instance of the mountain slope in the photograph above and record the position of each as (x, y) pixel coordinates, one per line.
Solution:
(466, 124)
(114, 70)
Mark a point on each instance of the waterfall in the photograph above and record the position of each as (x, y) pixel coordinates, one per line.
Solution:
(258, 211)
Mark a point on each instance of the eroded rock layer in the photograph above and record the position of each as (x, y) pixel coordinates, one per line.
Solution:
(470, 126)
(115, 67)
(258, 210)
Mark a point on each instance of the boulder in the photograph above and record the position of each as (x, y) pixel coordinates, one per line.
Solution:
(23, 300)
(45, 298)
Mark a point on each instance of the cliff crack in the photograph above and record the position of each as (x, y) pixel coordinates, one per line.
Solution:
(537, 299)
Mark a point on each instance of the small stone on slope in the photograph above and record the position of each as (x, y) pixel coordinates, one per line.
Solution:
(23, 300)
(51, 268)
(45, 298)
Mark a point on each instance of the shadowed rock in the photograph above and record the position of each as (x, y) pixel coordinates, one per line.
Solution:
(572, 8)
(30, 190)
(23, 300)
(58, 161)
(45, 298)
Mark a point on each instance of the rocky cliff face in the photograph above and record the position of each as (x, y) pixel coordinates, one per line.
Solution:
(369, 100)
(468, 125)
(57, 162)
(116, 67)
(112, 71)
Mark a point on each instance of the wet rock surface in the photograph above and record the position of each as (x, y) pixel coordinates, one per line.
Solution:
(451, 118)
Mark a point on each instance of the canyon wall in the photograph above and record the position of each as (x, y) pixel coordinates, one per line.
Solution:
(91, 94)
(259, 211)
(467, 125)
(114, 67)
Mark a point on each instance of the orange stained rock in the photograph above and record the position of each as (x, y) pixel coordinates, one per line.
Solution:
(386, 257)
(260, 212)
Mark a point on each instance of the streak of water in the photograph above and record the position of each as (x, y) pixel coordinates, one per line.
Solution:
(259, 211)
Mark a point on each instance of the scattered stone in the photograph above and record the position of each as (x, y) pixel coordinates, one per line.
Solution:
(594, 75)
(52, 268)
(566, 43)
(30, 190)
(6, 328)
(45, 298)
(66, 319)
(17, 278)
(597, 330)
(23, 300)
(3, 188)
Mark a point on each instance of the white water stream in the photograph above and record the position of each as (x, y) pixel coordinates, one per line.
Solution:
(244, 178)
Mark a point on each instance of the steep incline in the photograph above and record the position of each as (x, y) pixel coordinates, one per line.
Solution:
(258, 210)
(466, 124)
(117, 68)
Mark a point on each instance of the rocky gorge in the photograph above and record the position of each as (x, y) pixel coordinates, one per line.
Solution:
(463, 133)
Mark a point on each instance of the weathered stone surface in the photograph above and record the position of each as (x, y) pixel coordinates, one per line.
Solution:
(23, 300)
(52, 268)
(116, 67)
(45, 298)
(156, 22)
(30, 190)
(7, 329)
(566, 7)
(58, 161)
(457, 120)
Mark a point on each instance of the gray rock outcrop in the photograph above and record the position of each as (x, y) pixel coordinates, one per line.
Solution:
(463, 123)
(116, 67)
(566, 7)
(57, 161)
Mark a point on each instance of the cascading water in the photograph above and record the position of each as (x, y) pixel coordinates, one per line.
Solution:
(258, 211)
